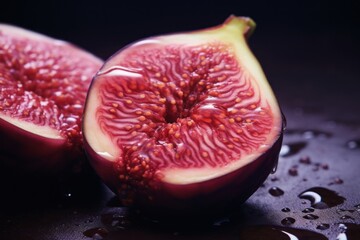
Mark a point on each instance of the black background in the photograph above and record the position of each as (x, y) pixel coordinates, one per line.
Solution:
(103, 26)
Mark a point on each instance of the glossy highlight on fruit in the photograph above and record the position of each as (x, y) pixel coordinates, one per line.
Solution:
(184, 121)
(43, 86)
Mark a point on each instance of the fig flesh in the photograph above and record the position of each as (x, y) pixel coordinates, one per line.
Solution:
(43, 87)
(184, 122)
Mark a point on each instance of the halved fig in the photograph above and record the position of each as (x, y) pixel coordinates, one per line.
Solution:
(43, 87)
(184, 121)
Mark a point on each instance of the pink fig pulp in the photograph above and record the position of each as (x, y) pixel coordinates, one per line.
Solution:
(43, 86)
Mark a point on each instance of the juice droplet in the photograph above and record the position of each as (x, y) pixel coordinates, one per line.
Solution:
(293, 171)
(292, 148)
(285, 209)
(269, 232)
(353, 144)
(322, 198)
(310, 216)
(349, 231)
(305, 160)
(308, 210)
(336, 181)
(323, 226)
(276, 192)
(345, 217)
(288, 221)
(325, 166)
(96, 233)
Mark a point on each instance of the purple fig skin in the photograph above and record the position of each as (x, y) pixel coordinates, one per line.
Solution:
(219, 194)
(42, 155)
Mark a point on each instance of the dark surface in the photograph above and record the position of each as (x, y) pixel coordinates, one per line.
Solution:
(310, 54)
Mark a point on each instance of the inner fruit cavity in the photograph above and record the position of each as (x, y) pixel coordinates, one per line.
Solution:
(180, 107)
(44, 83)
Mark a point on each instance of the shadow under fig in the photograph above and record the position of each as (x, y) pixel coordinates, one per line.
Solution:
(121, 222)
(29, 192)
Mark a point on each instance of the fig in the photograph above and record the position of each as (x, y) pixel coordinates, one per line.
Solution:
(43, 87)
(184, 122)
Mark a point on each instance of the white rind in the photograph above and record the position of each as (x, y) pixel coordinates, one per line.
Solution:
(181, 176)
(95, 137)
(43, 131)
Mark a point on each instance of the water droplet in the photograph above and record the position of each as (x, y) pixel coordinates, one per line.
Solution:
(275, 166)
(310, 216)
(322, 198)
(274, 179)
(349, 231)
(276, 192)
(345, 217)
(308, 210)
(342, 228)
(96, 233)
(71, 120)
(285, 209)
(288, 221)
(323, 226)
(285, 149)
(293, 148)
(269, 232)
(345, 210)
(353, 144)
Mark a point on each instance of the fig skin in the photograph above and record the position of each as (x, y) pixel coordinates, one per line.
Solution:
(212, 196)
(43, 154)
(27, 150)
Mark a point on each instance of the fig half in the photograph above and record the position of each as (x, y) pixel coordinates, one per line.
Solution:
(43, 87)
(184, 122)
